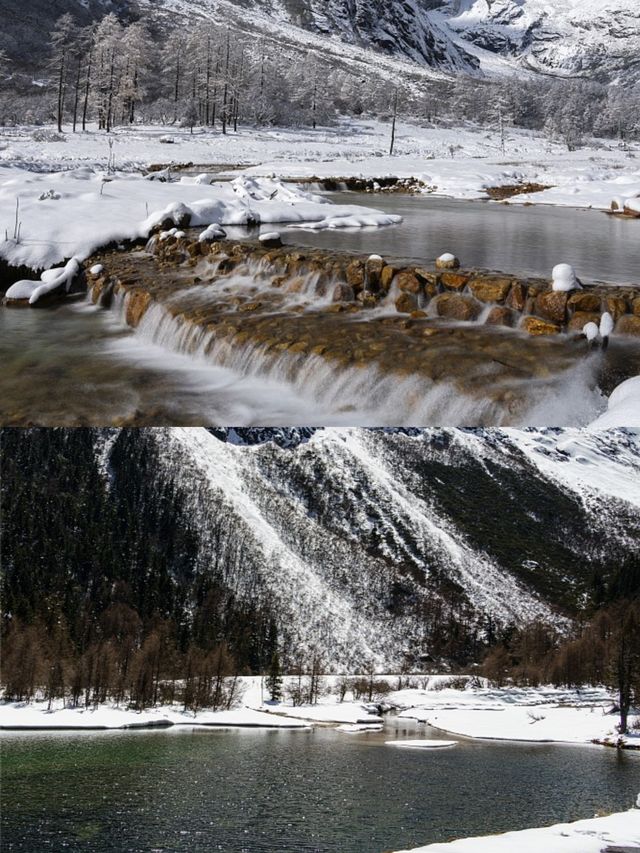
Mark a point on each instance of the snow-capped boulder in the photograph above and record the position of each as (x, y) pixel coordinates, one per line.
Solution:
(447, 262)
(564, 279)
(271, 240)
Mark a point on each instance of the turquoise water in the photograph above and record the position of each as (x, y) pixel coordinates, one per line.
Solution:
(290, 792)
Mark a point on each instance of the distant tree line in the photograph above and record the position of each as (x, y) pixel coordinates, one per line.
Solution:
(118, 73)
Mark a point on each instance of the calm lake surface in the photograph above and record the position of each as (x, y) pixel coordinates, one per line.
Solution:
(289, 792)
(512, 238)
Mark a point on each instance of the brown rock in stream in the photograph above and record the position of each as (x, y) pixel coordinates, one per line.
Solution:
(536, 326)
(628, 324)
(406, 303)
(581, 318)
(454, 281)
(455, 306)
(584, 302)
(407, 282)
(490, 288)
(500, 316)
(552, 305)
(616, 306)
(343, 293)
(517, 298)
(137, 303)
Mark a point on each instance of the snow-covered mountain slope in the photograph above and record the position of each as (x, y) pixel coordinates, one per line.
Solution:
(369, 544)
(566, 37)
(591, 38)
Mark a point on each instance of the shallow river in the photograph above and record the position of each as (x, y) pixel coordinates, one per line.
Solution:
(79, 365)
(289, 792)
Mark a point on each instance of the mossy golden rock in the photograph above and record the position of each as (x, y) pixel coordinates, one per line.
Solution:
(517, 298)
(537, 326)
(387, 276)
(407, 282)
(454, 280)
(552, 305)
(582, 301)
(616, 306)
(455, 306)
(138, 302)
(490, 288)
(628, 324)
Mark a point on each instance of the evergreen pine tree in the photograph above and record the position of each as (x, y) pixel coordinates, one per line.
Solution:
(274, 679)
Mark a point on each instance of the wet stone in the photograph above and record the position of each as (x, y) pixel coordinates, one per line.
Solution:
(455, 306)
(454, 281)
(536, 326)
(490, 289)
(552, 305)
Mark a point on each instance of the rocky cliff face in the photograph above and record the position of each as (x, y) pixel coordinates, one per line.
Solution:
(590, 38)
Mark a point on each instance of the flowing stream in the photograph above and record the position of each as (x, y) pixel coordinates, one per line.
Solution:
(80, 365)
(290, 792)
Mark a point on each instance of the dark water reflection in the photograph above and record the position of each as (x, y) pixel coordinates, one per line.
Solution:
(289, 792)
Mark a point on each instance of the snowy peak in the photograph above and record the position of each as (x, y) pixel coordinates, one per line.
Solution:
(567, 37)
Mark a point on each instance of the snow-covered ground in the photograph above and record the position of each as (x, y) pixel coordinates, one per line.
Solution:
(461, 162)
(72, 213)
(621, 830)
(543, 714)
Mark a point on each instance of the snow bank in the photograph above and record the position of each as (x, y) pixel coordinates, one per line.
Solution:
(50, 280)
(533, 724)
(583, 836)
(92, 211)
(35, 716)
(421, 744)
(623, 409)
(351, 713)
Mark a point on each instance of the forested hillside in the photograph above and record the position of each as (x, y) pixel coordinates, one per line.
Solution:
(133, 558)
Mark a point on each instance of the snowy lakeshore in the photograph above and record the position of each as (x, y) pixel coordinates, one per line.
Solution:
(77, 193)
(533, 715)
(616, 833)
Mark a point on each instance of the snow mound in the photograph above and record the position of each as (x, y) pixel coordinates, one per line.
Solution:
(623, 409)
(564, 278)
(421, 744)
(50, 280)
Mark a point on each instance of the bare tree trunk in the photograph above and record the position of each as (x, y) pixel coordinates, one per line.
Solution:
(76, 98)
(393, 125)
(61, 89)
(87, 88)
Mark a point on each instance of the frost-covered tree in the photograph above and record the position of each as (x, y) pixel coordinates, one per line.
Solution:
(107, 77)
(64, 45)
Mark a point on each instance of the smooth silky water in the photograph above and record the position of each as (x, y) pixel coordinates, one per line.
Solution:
(290, 792)
(80, 365)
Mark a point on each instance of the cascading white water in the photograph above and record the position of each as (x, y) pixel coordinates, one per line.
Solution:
(309, 386)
